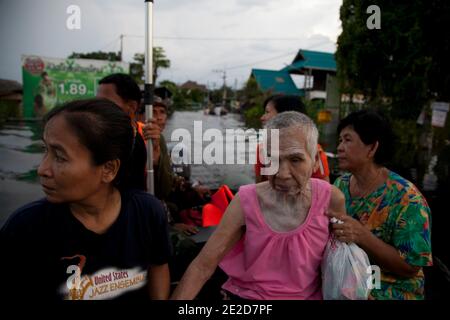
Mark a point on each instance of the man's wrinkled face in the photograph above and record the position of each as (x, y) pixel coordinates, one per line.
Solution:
(295, 163)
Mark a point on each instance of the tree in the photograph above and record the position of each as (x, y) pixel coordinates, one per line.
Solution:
(159, 61)
(400, 68)
(184, 98)
(98, 55)
(171, 86)
(402, 65)
(216, 95)
(194, 96)
(178, 99)
(253, 105)
(136, 68)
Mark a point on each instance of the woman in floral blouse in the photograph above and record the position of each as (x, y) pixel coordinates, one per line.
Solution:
(387, 215)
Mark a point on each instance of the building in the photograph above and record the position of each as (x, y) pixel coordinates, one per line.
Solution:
(312, 74)
(314, 67)
(276, 82)
(192, 85)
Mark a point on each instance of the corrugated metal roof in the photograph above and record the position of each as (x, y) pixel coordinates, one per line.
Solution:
(312, 59)
(276, 81)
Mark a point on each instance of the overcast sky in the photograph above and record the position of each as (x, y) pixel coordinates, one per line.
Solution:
(236, 35)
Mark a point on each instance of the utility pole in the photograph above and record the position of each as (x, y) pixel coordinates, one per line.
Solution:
(208, 93)
(224, 77)
(121, 47)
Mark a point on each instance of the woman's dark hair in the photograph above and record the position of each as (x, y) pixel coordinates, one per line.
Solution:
(103, 128)
(284, 103)
(126, 87)
(372, 126)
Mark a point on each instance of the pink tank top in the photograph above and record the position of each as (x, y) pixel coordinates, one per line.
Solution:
(266, 264)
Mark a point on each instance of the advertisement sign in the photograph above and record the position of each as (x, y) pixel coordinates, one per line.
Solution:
(48, 82)
(439, 115)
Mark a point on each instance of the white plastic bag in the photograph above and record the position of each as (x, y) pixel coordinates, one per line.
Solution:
(345, 273)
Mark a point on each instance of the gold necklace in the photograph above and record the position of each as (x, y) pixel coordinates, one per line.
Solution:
(369, 189)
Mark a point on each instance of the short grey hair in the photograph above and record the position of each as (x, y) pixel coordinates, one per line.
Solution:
(296, 119)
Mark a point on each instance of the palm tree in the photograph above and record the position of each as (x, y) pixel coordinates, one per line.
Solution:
(159, 61)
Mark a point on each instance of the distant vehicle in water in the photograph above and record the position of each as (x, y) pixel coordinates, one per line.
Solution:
(216, 110)
(209, 111)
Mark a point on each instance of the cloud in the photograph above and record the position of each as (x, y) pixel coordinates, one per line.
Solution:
(283, 25)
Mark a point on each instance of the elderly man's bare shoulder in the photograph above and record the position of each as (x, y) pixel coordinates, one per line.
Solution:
(234, 214)
(337, 202)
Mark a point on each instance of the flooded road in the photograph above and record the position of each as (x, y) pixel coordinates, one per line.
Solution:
(216, 174)
(20, 154)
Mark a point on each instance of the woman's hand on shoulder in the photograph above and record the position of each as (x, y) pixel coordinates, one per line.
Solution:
(345, 228)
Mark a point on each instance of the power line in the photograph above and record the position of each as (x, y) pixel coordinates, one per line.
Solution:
(268, 59)
(227, 39)
(133, 36)
(110, 43)
(277, 57)
(214, 38)
(261, 61)
(250, 64)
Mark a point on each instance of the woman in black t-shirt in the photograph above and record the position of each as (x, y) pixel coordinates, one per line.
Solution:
(90, 238)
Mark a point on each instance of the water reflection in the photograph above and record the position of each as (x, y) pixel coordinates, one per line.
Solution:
(20, 154)
(216, 174)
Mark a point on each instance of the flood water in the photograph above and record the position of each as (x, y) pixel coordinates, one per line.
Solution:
(21, 152)
(215, 174)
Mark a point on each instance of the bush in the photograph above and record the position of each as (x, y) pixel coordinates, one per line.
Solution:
(406, 144)
(252, 116)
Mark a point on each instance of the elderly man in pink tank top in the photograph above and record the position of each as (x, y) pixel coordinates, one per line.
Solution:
(272, 237)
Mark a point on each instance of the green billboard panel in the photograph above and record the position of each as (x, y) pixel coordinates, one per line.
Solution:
(48, 82)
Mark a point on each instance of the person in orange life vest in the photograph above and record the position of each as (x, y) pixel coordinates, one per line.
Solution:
(123, 91)
(280, 103)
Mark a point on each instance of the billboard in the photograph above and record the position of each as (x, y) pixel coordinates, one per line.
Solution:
(48, 82)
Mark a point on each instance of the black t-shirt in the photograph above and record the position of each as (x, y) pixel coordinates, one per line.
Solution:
(48, 254)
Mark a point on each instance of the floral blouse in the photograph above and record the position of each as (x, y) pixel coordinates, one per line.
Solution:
(398, 214)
